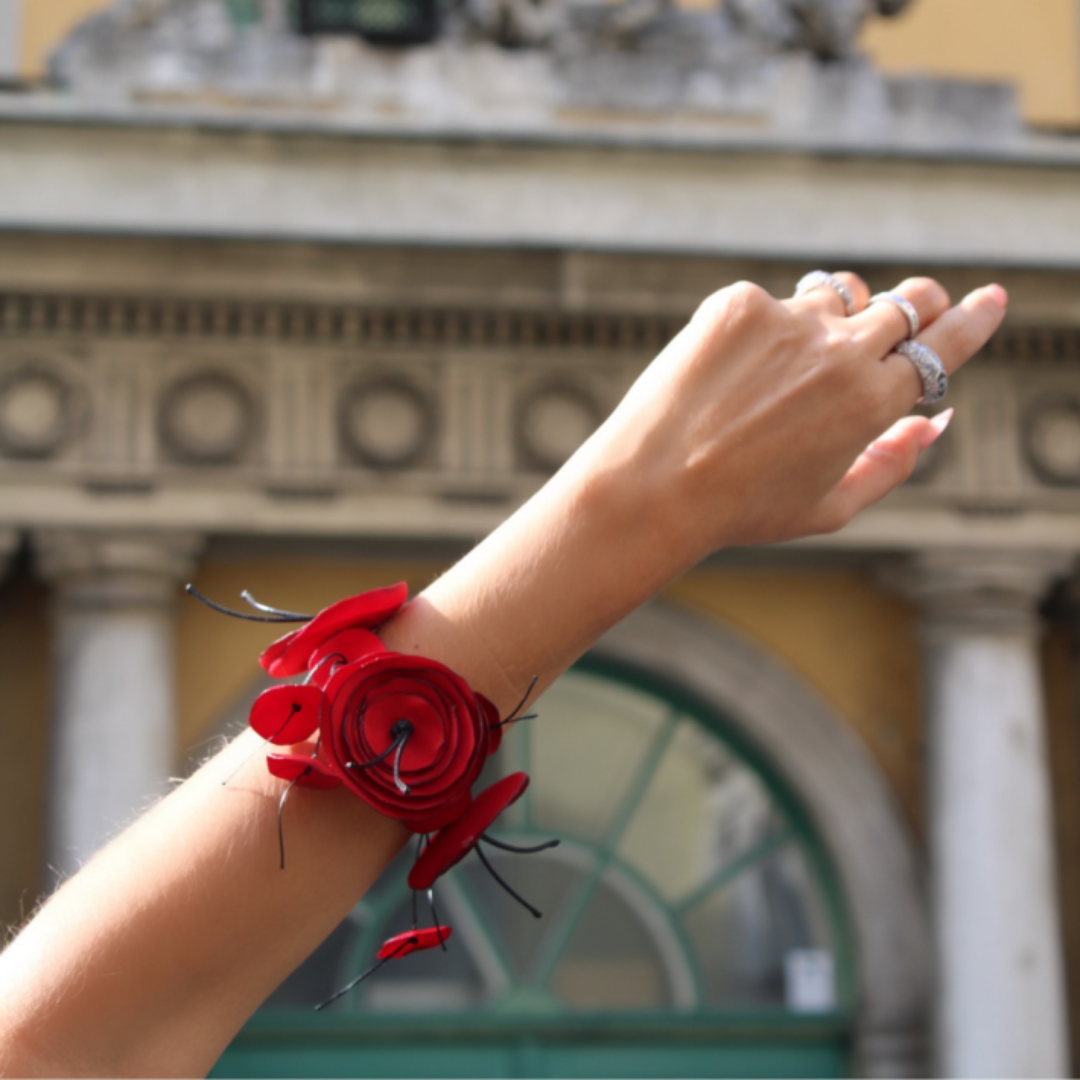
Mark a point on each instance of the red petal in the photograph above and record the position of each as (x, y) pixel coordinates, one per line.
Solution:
(431, 937)
(287, 714)
(276, 649)
(306, 771)
(349, 645)
(491, 715)
(456, 841)
(363, 612)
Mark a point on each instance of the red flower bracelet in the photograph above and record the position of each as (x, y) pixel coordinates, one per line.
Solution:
(404, 733)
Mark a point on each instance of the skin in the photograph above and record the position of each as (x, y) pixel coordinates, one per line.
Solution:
(764, 420)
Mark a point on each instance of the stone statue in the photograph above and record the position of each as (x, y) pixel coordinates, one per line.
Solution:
(185, 48)
(827, 28)
(785, 69)
(200, 34)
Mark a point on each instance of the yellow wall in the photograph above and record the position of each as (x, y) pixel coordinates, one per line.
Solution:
(1034, 43)
(845, 638)
(45, 24)
(24, 735)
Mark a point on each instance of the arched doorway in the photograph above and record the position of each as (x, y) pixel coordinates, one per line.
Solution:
(695, 923)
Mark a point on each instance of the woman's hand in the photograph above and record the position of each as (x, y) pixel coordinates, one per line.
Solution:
(766, 420)
(763, 420)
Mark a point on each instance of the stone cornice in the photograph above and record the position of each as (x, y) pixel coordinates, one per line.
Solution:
(192, 182)
(323, 418)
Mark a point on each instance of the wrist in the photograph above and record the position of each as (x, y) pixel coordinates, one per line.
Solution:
(586, 550)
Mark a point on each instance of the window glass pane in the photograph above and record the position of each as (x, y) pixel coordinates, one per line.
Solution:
(745, 931)
(548, 880)
(700, 812)
(586, 746)
(614, 960)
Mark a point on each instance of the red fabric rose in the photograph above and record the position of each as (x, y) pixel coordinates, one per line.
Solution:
(407, 735)
(292, 653)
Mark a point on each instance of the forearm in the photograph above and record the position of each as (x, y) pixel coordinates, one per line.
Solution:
(196, 919)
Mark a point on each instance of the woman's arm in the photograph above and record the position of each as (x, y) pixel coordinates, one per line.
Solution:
(751, 426)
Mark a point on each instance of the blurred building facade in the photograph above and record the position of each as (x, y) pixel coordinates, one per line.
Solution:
(305, 314)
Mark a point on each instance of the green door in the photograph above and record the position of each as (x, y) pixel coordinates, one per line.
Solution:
(692, 924)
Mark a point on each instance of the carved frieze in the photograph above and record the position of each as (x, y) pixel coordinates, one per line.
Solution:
(405, 420)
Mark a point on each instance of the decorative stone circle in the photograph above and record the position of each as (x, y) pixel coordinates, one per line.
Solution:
(206, 419)
(37, 413)
(1052, 440)
(386, 422)
(553, 420)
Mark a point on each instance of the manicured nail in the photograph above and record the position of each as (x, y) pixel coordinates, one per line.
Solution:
(1000, 296)
(935, 428)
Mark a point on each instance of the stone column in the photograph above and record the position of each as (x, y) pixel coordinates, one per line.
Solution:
(113, 734)
(9, 544)
(1001, 989)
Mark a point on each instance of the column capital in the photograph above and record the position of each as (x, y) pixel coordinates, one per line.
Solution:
(115, 569)
(984, 591)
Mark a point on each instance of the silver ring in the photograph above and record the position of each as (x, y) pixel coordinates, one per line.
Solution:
(905, 305)
(816, 278)
(935, 381)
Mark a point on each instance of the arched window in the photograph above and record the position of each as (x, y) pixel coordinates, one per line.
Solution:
(692, 924)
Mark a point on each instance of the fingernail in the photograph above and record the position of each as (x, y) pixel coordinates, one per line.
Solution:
(935, 428)
(1000, 296)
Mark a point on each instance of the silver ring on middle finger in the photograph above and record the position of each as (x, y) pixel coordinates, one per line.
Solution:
(905, 305)
(817, 278)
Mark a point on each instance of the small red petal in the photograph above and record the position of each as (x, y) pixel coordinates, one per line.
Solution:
(306, 771)
(431, 937)
(287, 714)
(351, 645)
(276, 649)
(456, 841)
